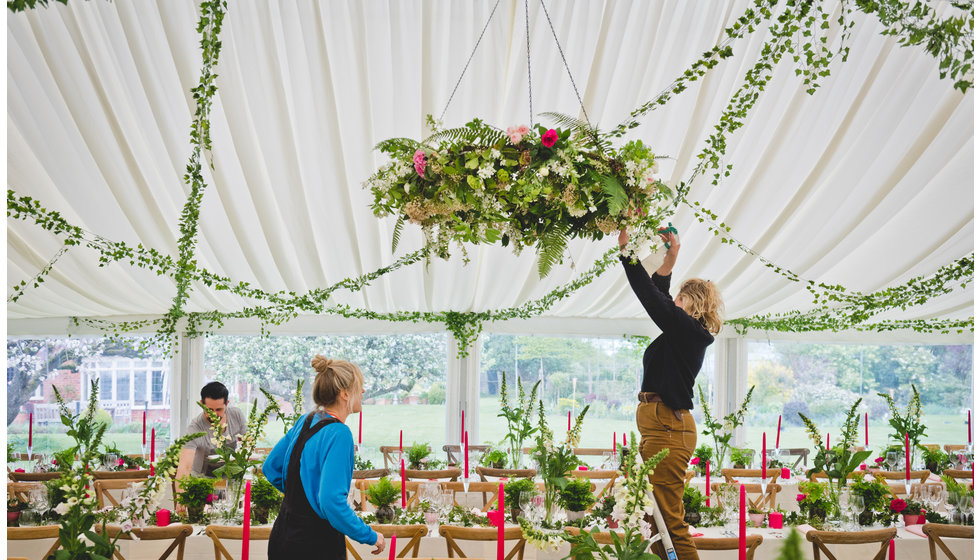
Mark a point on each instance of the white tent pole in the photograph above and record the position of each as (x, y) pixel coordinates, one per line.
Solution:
(462, 392)
(731, 379)
(186, 379)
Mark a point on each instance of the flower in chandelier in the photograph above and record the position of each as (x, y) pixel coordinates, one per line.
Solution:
(517, 133)
(549, 138)
(419, 161)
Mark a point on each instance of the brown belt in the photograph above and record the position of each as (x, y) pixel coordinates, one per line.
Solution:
(654, 397)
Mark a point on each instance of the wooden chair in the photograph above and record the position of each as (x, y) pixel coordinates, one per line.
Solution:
(390, 454)
(754, 495)
(597, 477)
(454, 458)
(177, 533)
(453, 534)
(34, 534)
(801, 454)
(961, 476)
(413, 533)
(490, 489)
(22, 490)
(954, 447)
(917, 476)
(752, 542)
(371, 473)
(219, 532)
(732, 475)
(822, 538)
(931, 446)
(33, 476)
(449, 475)
(856, 475)
(120, 475)
(103, 488)
(936, 531)
(411, 490)
(262, 451)
(484, 472)
(601, 537)
(593, 451)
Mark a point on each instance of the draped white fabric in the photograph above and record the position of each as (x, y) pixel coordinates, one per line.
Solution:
(867, 183)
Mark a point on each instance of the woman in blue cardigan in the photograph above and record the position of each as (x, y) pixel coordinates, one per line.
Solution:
(312, 465)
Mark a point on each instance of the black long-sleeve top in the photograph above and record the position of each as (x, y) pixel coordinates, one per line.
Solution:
(673, 360)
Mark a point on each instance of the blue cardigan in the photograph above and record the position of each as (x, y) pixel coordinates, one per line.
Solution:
(325, 466)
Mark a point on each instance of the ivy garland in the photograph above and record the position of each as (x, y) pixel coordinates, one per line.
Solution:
(801, 31)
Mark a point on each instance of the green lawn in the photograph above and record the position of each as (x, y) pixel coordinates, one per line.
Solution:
(426, 423)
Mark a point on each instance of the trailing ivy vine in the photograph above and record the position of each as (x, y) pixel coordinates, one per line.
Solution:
(802, 30)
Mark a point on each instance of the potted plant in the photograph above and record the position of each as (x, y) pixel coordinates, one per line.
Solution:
(701, 457)
(742, 458)
(604, 511)
(812, 500)
(512, 494)
(362, 464)
(912, 512)
(195, 493)
(875, 494)
(693, 501)
(418, 458)
(494, 458)
(382, 494)
(936, 460)
(577, 497)
(14, 507)
(756, 516)
(266, 499)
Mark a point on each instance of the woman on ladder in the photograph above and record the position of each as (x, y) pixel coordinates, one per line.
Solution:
(671, 363)
(312, 465)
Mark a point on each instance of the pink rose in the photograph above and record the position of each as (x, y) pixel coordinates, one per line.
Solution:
(420, 162)
(880, 460)
(898, 505)
(120, 462)
(696, 461)
(800, 497)
(517, 133)
(549, 138)
(863, 467)
(209, 499)
(516, 138)
(523, 129)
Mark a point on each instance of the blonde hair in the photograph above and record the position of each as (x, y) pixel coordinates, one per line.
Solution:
(332, 377)
(703, 302)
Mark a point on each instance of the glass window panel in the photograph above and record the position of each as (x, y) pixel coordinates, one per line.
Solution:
(123, 378)
(157, 388)
(139, 387)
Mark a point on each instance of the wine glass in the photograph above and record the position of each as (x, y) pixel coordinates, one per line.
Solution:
(855, 503)
(891, 460)
(39, 500)
(965, 502)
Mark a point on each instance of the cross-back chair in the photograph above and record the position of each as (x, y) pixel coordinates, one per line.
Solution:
(754, 495)
(733, 475)
(33, 476)
(801, 454)
(961, 476)
(752, 542)
(411, 490)
(413, 533)
(103, 489)
(450, 474)
(916, 476)
(454, 456)
(454, 534)
(36, 533)
(936, 531)
(485, 473)
(489, 490)
(822, 538)
(604, 479)
(22, 490)
(120, 475)
(219, 533)
(176, 533)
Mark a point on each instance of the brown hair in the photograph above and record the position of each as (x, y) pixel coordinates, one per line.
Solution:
(703, 302)
(332, 377)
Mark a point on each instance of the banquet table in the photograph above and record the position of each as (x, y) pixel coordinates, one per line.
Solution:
(908, 546)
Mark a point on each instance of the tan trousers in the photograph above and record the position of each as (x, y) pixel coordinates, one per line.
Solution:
(660, 429)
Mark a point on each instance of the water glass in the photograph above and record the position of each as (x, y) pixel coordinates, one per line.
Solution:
(856, 505)
(965, 503)
(432, 521)
(28, 518)
(891, 460)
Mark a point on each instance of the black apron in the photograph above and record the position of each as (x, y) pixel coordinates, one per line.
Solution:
(299, 532)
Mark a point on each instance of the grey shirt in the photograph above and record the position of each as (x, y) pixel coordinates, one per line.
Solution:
(204, 446)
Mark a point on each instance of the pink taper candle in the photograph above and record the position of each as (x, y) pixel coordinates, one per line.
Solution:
(969, 430)
(908, 460)
(891, 549)
(399, 441)
(624, 439)
(763, 456)
(391, 551)
(569, 420)
(360, 426)
(462, 424)
(779, 428)
(30, 430)
(828, 441)
(500, 523)
(466, 452)
(144, 429)
(404, 501)
(741, 522)
(707, 482)
(247, 519)
(614, 443)
(153, 450)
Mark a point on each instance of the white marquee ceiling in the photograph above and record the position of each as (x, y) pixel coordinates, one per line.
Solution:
(867, 183)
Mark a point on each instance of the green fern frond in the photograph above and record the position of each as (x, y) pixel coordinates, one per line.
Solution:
(469, 134)
(396, 234)
(550, 250)
(398, 145)
(581, 127)
(615, 195)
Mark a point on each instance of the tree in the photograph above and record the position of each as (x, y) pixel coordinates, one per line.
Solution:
(29, 361)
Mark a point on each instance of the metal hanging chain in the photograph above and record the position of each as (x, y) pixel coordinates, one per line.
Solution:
(480, 38)
(527, 36)
(565, 62)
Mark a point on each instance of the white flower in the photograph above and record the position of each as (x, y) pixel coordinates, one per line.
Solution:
(618, 513)
(476, 511)
(543, 171)
(62, 508)
(645, 528)
(495, 153)
(486, 171)
(127, 526)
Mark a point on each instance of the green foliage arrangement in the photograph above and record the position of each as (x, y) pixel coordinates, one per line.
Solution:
(383, 493)
(876, 499)
(418, 457)
(814, 500)
(266, 499)
(288, 420)
(703, 455)
(514, 488)
(936, 460)
(362, 464)
(494, 458)
(554, 461)
(693, 499)
(741, 458)
(518, 416)
(909, 422)
(839, 462)
(577, 494)
(195, 493)
(723, 432)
